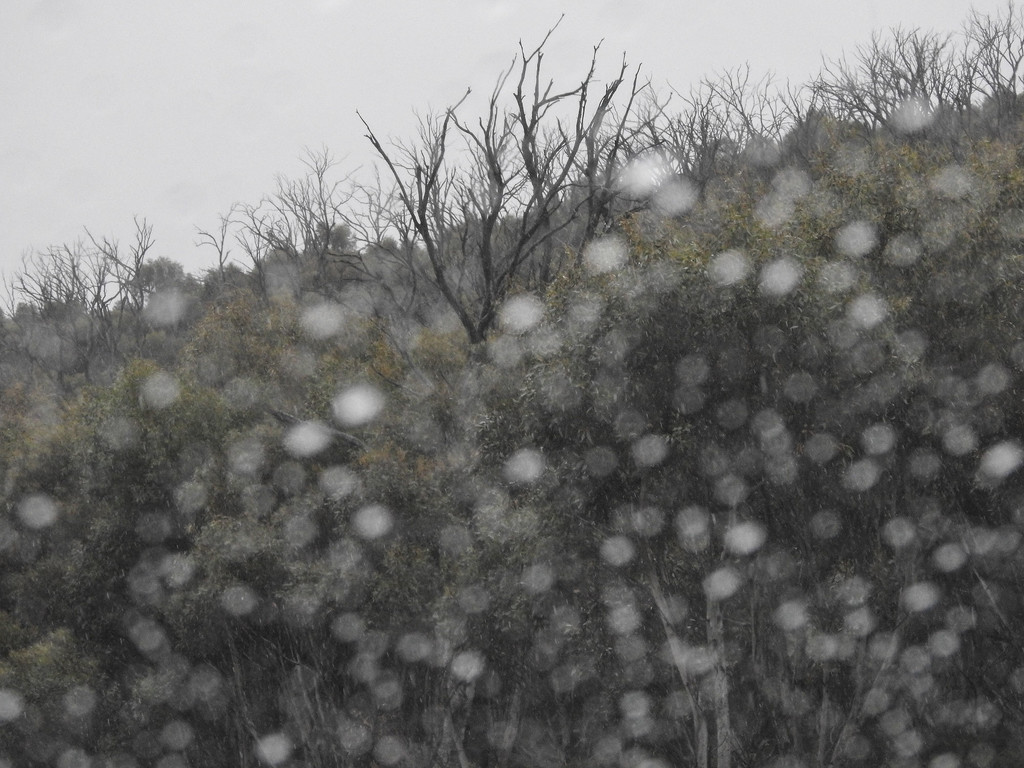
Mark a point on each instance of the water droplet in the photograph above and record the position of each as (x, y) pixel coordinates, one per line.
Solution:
(904, 250)
(323, 320)
(373, 521)
(856, 239)
(38, 511)
(862, 475)
(617, 551)
(11, 705)
(166, 307)
(949, 557)
(524, 466)
(467, 666)
(920, 596)
(722, 583)
(959, 439)
(274, 748)
(1001, 460)
(159, 391)
(239, 600)
(307, 438)
(606, 254)
(911, 116)
(899, 532)
(791, 615)
(745, 538)
(649, 450)
(357, 405)
(878, 439)
(728, 267)
(521, 313)
(780, 277)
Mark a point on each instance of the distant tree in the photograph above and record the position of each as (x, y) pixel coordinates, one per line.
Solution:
(84, 301)
(491, 201)
(297, 237)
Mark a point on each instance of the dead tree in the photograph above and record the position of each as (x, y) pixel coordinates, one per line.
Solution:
(493, 202)
(301, 229)
(906, 70)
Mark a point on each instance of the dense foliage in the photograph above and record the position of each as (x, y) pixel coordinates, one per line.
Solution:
(732, 480)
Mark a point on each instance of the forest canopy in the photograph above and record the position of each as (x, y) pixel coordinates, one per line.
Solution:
(607, 427)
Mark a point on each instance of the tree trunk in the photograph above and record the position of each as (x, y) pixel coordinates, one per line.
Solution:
(723, 725)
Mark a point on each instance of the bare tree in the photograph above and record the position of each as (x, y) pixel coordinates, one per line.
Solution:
(997, 50)
(924, 70)
(490, 202)
(83, 298)
(718, 122)
(218, 240)
(302, 227)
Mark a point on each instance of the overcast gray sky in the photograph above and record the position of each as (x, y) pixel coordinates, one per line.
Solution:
(174, 111)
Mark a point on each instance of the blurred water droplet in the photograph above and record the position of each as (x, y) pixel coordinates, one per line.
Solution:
(38, 511)
(745, 538)
(791, 615)
(837, 276)
(414, 646)
(348, 627)
(338, 482)
(856, 239)
(606, 254)
(166, 307)
(617, 550)
(176, 735)
(675, 197)
(624, 618)
(521, 313)
(12, 703)
(821, 448)
(524, 466)
(862, 475)
(1001, 460)
(467, 666)
(643, 175)
(943, 643)
(992, 379)
(274, 748)
(645, 521)
(357, 405)
(79, 701)
(920, 596)
(859, 622)
(959, 439)
(904, 250)
(373, 521)
(899, 532)
(390, 750)
(159, 391)
(323, 320)
(954, 182)
(912, 115)
(780, 277)
(307, 438)
(693, 528)
(722, 583)
(649, 450)
(728, 267)
(239, 600)
(867, 310)
(949, 557)
(878, 439)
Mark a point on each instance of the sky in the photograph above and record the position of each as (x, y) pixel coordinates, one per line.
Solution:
(113, 109)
